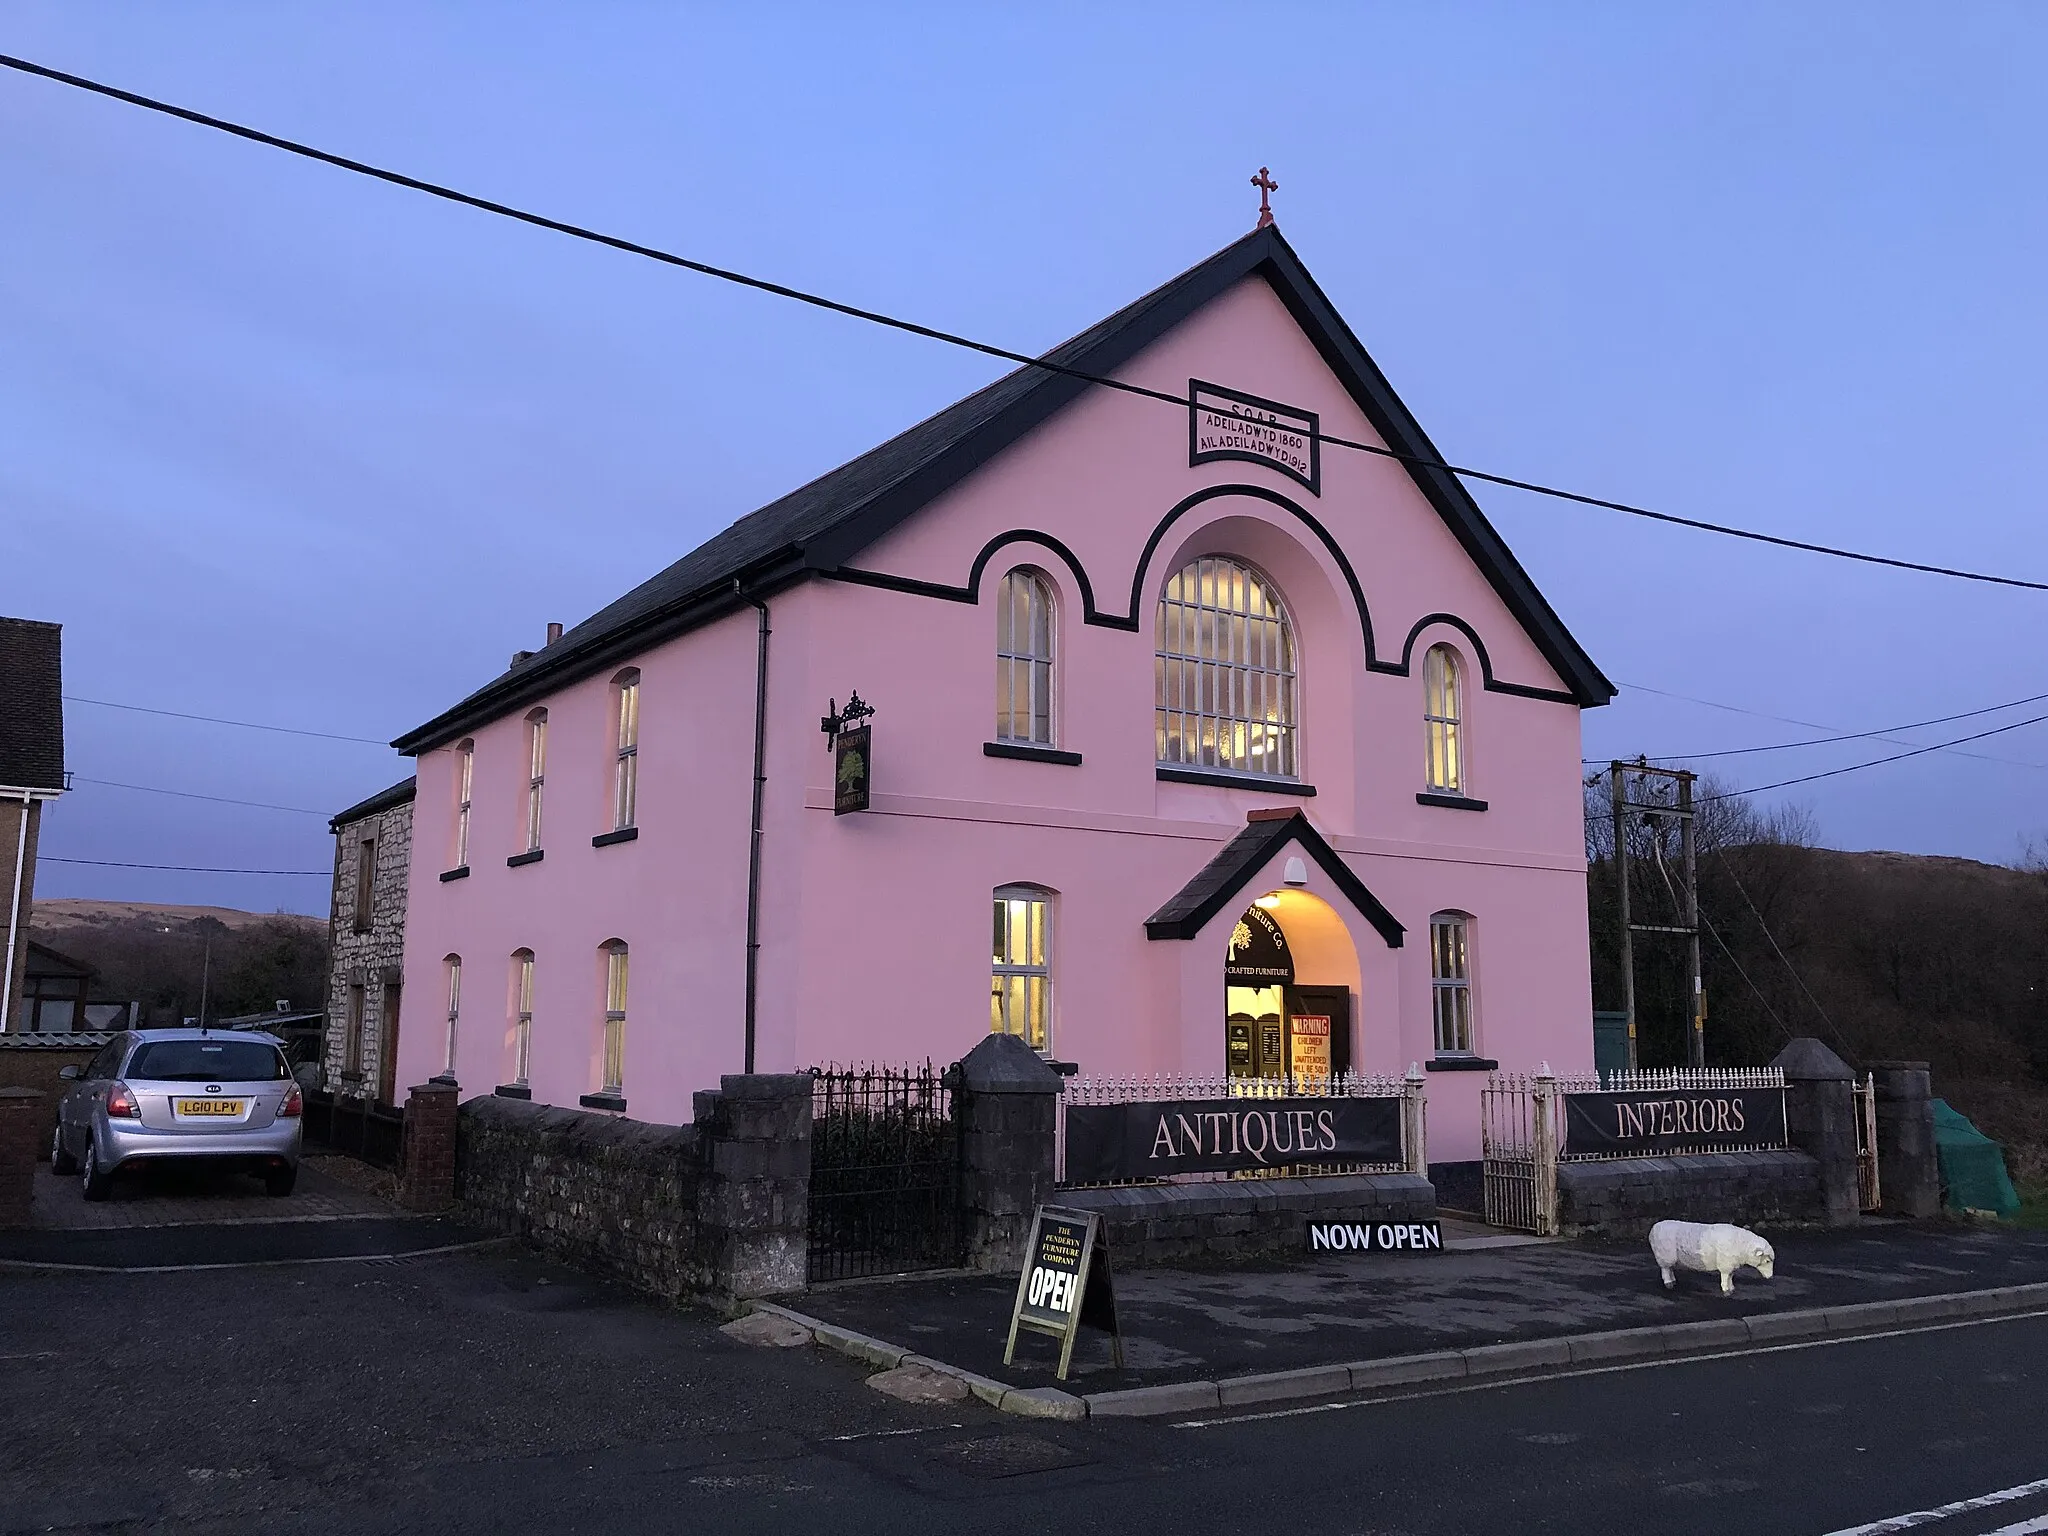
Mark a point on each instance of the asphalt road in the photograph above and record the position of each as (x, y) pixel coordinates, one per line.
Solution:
(487, 1392)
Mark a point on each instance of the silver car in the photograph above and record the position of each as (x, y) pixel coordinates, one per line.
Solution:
(225, 1097)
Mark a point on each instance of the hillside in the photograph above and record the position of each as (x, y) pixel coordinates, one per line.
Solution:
(157, 955)
(58, 914)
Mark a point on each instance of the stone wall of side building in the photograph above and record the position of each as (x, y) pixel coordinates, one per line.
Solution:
(366, 964)
(19, 820)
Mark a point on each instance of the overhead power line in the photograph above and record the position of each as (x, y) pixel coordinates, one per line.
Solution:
(1876, 762)
(1821, 741)
(186, 794)
(193, 869)
(247, 725)
(950, 338)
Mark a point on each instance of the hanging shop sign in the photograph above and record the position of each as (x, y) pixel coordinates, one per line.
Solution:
(852, 740)
(1065, 1285)
(1258, 955)
(1649, 1122)
(1376, 1236)
(1111, 1143)
(1224, 424)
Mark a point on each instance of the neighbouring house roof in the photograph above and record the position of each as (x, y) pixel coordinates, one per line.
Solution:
(32, 719)
(819, 526)
(265, 1020)
(1223, 879)
(45, 961)
(400, 793)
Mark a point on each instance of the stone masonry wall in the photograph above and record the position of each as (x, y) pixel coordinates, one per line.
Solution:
(370, 959)
(1237, 1219)
(1628, 1195)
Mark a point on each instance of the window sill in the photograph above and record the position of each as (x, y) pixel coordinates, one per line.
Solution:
(1461, 1064)
(513, 1091)
(531, 856)
(623, 835)
(610, 1101)
(459, 872)
(1449, 802)
(1220, 778)
(1030, 752)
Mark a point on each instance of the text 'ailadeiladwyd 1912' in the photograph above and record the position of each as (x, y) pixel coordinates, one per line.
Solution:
(1111, 1142)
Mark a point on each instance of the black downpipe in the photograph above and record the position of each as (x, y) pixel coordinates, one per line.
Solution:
(754, 851)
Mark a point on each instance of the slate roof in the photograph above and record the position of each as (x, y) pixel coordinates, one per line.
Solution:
(819, 526)
(398, 794)
(32, 715)
(1223, 879)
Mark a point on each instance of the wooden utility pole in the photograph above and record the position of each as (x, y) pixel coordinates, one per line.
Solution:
(1679, 809)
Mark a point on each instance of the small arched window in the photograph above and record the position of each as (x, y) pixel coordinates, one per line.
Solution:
(1443, 714)
(536, 773)
(1225, 671)
(1024, 625)
(626, 748)
(614, 1084)
(522, 1014)
(1020, 987)
(465, 774)
(454, 967)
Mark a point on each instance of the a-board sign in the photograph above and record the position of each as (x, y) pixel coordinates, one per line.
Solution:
(1649, 1122)
(1065, 1284)
(1376, 1236)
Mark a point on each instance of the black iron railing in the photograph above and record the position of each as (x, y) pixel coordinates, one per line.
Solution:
(885, 1172)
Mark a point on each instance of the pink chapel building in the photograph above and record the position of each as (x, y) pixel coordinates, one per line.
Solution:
(1201, 745)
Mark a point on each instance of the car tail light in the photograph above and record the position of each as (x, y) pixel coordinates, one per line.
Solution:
(293, 1105)
(121, 1102)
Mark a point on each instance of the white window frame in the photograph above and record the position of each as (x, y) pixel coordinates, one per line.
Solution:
(1020, 986)
(1452, 1016)
(465, 780)
(1025, 596)
(614, 1059)
(1226, 672)
(626, 744)
(1443, 716)
(454, 964)
(522, 1016)
(536, 774)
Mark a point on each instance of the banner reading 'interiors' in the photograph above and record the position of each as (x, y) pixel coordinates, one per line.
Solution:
(1657, 1120)
(1111, 1142)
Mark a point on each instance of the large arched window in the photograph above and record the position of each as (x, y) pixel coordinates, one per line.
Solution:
(1024, 623)
(1225, 671)
(1443, 714)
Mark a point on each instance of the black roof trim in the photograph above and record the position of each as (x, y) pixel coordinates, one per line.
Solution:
(398, 794)
(1224, 878)
(818, 527)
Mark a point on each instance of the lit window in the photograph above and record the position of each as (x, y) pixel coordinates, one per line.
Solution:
(1024, 659)
(614, 1019)
(1450, 980)
(454, 964)
(626, 769)
(1443, 708)
(1225, 671)
(465, 766)
(536, 773)
(1019, 990)
(522, 1015)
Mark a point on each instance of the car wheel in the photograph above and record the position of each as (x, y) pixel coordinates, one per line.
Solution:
(61, 1161)
(279, 1181)
(97, 1182)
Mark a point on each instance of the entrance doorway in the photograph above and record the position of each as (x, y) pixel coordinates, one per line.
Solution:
(1278, 1024)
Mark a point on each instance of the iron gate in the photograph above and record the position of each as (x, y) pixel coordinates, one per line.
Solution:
(885, 1172)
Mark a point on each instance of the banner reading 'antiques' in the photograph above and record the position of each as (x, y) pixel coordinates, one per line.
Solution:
(1657, 1120)
(1111, 1142)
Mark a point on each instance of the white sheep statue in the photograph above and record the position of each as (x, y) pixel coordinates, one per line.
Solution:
(1716, 1249)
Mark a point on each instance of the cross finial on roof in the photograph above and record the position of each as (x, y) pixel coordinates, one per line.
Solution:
(1267, 186)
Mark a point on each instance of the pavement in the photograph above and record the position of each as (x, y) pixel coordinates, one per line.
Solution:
(1189, 1325)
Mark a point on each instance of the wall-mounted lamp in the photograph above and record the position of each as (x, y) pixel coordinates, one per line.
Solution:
(1296, 872)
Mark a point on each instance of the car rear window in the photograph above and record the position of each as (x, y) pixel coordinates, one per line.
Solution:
(208, 1061)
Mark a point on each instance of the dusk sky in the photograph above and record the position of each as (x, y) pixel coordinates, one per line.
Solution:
(285, 445)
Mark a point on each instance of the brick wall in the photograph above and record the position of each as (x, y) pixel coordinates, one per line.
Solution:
(12, 827)
(1628, 1195)
(1243, 1218)
(32, 1061)
(373, 958)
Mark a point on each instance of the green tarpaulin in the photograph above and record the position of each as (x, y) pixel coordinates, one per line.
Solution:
(1973, 1176)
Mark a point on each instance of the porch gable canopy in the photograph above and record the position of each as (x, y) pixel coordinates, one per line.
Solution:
(1225, 876)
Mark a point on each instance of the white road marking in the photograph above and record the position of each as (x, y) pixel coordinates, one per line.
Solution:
(1960, 1507)
(173, 1269)
(1453, 1389)
(887, 1434)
